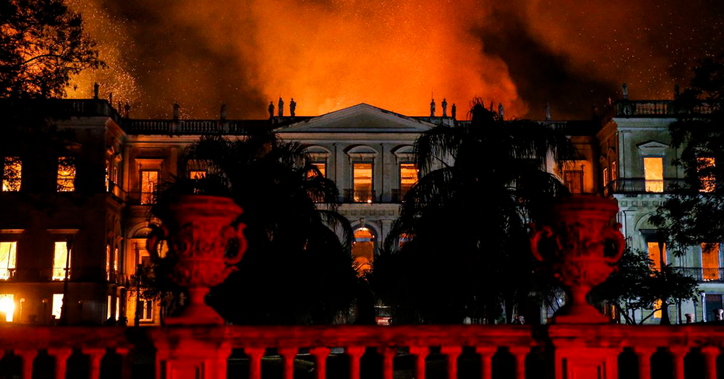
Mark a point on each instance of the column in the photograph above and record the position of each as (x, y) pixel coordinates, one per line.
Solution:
(710, 354)
(486, 359)
(61, 360)
(28, 356)
(288, 354)
(254, 354)
(95, 355)
(519, 353)
(355, 353)
(126, 362)
(420, 353)
(452, 352)
(388, 358)
(677, 356)
(644, 357)
(320, 359)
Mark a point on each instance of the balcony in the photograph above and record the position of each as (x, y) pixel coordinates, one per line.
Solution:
(192, 127)
(355, 196)
(47, 275)
(702, 275)
(116, 191)
(657, 108)
(641, 186)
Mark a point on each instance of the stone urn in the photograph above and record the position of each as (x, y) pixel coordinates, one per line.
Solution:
(580, 244)
(203, 246)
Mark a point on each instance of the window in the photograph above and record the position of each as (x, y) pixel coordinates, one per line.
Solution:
(605, 176)
(197, 174)
(7, 259)
(705, 167)
(66, 174)
(149, 185)
(363, 250)
(613, 171)
(321, 166)
(7, 307)
(710, 261)
(408, 177)
(108, 311)
(654, 174)
(362, 182)
(656, 255)
(573, 179)
(57, 306)
(12, 172)
(61, 261)
(146, 310)
(108, 262)
(118, 308)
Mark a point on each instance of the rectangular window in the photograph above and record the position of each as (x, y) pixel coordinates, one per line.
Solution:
(197, 174)
(57, 305)
(108, 262)
(149, 186)
(108, 312)
(654, 174)
(7, 307)
(705, 167)
(147, 310)
(66, 174)
(61, 261)
(710, 261)
(7, 259)
(655, 255)
(605, 176)
(118, 308)
(408, 177)
(12, 172)
(321, 166)
(362, 182)
(573, 179)
(614, 176)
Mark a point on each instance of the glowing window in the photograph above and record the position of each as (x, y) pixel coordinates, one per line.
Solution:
(655, 255)
(710, 261)
(613, 171)
(408, 177)
(61, 261)
(321, 166)
(605, 176)
(7, 306)
(363, 250)
(12, 172)
(197, 174)
(705, 166)
(57, 305)
(115, 260)
(149, 185)
(108, 262)
(66, 174)
(146, 310)
(654, 174)
(7, 259)
(108, 312)
(573, 179)
(362, 182)
(118, 308)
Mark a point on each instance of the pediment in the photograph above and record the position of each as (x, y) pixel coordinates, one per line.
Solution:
(653, 147)
(361, 118)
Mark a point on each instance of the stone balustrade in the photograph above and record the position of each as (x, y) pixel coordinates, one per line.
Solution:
(202, 351)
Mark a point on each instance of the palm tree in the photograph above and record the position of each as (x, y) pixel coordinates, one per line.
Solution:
(466, 220)
(296, 270)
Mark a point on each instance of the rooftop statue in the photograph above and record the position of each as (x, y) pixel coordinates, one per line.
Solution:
(444, 107)
(548, 111)
(432, 108)
(281, 107)
(454, 110)
(292, 107)
(271, 109)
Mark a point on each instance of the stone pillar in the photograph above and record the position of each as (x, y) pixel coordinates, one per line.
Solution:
(486, 359)
(355, 354)
(255, 354)
(320, 359)
(710, 354)
(191, 353)
(452, 352)
(644, 359)
(288, 354)
(520, 353)
(61, 360)
(677, 357)
(95, 356)
(28, 357)
(420, 355)
(388, 358)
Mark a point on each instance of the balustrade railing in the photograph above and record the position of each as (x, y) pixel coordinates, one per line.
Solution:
(192, 127)
(357, 196)
(702, 274)
(641, 185)
(122, 350)
(659, 108)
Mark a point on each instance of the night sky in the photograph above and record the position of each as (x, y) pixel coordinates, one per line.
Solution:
(329, 54)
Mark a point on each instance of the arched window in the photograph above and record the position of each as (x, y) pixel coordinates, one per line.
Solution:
(363, 249)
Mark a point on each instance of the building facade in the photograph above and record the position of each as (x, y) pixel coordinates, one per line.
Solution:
(73, 222)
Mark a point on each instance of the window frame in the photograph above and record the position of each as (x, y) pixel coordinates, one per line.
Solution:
(654, 186)
(372, 180)
(148, 198)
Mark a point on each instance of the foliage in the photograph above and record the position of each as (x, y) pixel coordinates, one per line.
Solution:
(41, 45)
(296, 270)
(637, 286)
(468, 219)
(692, 214)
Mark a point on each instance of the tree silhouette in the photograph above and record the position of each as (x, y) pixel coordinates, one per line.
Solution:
(466, 221)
